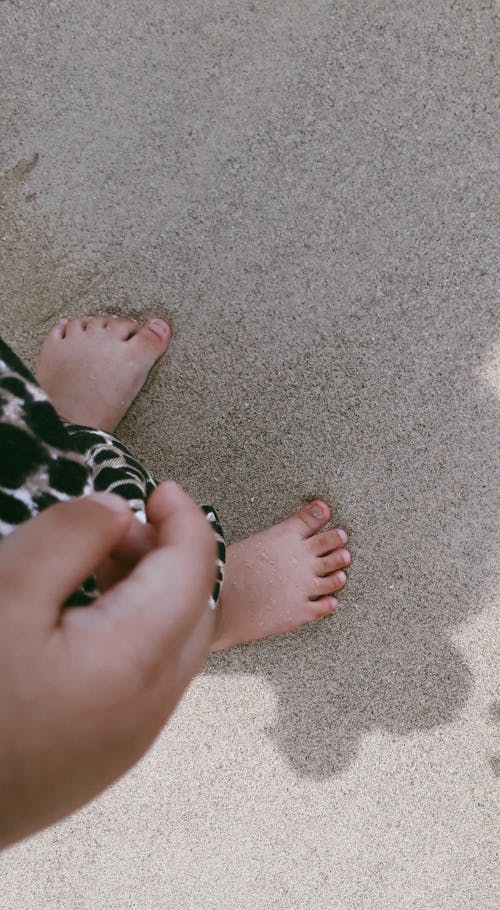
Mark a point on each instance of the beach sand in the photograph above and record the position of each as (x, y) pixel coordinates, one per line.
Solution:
(307, 191)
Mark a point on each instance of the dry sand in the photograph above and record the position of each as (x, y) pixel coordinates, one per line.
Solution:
(307, 190)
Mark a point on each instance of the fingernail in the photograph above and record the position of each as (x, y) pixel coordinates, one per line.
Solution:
(110, 500)
(159, 328)
(140, 538)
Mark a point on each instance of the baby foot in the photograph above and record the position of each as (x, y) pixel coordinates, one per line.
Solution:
(92, 368)
(281, 578)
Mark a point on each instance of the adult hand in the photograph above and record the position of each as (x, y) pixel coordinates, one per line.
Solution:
(84, 691)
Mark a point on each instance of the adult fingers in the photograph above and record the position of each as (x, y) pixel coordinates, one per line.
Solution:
(148, 615)
(139, 540)
(45, 559)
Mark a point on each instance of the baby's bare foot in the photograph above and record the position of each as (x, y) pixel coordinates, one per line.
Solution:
(281, 578)
(92, 368)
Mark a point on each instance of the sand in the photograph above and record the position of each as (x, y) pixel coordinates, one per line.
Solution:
(307, 191)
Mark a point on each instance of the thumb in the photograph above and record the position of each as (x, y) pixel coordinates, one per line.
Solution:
(155, 607)
(44, 560)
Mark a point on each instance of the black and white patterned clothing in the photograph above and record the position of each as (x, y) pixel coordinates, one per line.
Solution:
(44, 460)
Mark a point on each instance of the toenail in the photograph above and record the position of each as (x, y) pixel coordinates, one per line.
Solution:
(317, 511)
(342, 535)
(329, 605)
(158, 327)
(341, 577)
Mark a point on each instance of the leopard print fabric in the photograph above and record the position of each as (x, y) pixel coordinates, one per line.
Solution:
(44, 460)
